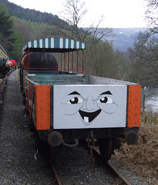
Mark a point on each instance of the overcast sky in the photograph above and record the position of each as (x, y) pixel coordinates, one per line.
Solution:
(117, 13)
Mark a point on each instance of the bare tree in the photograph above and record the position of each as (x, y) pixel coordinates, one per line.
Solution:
(151, 13)
(73, 13)
(100, 58)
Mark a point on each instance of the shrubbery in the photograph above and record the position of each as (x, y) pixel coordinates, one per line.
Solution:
(142, 158)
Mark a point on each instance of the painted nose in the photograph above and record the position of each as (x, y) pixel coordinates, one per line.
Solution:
(90, 104)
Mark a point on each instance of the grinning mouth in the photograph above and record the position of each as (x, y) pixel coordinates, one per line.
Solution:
(89, 116)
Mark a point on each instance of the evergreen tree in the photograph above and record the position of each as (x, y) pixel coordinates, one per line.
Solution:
(6, 29)
(10, 38)
(18, 44)
(6, 23)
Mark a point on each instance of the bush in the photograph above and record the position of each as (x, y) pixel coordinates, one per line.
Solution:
(142, 158)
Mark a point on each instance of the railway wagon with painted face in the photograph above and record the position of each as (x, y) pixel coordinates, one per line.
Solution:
(70, 109)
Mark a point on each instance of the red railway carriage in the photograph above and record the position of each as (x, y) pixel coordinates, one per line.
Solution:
(68, 108)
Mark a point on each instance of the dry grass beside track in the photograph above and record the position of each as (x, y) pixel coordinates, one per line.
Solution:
(142, 158)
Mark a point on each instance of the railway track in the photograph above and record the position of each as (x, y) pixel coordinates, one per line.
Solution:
(112, 167)
(91, 168)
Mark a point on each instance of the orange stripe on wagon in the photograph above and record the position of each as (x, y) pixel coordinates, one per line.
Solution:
(134, 105)
(42, 95)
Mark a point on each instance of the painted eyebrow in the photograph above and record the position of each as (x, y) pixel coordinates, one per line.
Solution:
(106, 92)
(74, 93)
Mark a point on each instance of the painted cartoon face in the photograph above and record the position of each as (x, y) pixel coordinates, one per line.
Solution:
(89, 107)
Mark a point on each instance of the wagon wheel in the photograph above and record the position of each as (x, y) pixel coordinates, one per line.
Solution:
(106, 148)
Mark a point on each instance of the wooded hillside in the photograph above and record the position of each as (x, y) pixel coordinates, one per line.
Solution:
(32, 15)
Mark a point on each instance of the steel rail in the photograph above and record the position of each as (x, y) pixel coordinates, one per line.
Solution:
(117, 172)
(56, 175)
(113, 168)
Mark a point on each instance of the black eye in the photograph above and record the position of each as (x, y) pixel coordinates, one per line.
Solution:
(75, 100)
(105, 100)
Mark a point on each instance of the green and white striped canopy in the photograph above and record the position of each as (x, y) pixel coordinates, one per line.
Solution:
(55, 43)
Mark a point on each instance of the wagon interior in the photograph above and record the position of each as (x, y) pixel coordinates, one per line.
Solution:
(72, 79)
